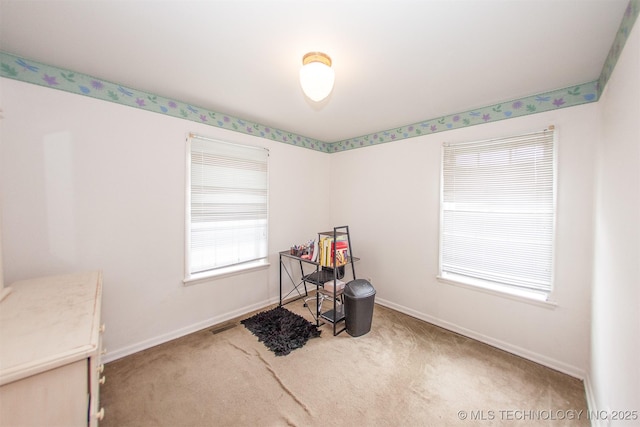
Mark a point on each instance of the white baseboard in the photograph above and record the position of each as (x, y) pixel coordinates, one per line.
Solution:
(592, 405)
(110, 356)
(502, 345)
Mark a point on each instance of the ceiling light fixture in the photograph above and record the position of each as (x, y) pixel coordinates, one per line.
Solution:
(316, 75)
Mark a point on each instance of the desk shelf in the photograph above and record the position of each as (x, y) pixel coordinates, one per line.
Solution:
(330, 316)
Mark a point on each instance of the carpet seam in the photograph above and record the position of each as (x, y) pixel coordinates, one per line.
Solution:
(282, 385)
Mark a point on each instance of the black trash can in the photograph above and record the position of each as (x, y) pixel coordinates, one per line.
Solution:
(358, 306)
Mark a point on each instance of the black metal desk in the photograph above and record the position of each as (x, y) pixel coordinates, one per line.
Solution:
(316, 278)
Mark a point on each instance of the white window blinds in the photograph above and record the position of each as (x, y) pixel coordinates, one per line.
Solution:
(227, 204)
(498, 208)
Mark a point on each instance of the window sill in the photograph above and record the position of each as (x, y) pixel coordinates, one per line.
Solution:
(226, 272)
(529, 297)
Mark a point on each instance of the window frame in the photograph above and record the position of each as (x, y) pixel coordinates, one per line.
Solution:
(497, 288)
(224, 271)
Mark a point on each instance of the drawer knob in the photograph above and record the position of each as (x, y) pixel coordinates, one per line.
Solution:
(101, 368)
(103, 328)
(100, 414)
(103, 352)
(103, 380)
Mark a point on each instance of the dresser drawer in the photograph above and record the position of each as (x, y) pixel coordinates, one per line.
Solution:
(57, 397)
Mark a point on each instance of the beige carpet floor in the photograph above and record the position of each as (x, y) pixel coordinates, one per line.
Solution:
(405, 372)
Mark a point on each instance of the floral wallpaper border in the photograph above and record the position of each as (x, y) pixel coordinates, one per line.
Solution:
(15, 67)
(628, 20)
(562, 98)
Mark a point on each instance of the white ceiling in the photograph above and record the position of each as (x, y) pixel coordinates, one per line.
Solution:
(397, 62)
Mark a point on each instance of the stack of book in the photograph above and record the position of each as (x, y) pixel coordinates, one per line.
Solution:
(327, 246)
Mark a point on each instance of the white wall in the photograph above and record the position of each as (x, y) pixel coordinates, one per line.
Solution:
(88, 184)
(390, 199)
(92, 185)
(615, 348)
(2, 289)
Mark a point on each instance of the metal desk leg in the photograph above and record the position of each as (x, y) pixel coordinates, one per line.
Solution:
(280, 259)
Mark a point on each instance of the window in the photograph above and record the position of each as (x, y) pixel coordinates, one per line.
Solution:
(498, 214)
(227, 206)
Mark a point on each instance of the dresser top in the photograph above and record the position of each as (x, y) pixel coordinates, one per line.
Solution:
(48, 322)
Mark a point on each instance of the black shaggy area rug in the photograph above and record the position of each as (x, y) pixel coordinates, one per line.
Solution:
(281, 330)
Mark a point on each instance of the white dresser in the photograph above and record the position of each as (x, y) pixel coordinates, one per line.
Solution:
(50, 347)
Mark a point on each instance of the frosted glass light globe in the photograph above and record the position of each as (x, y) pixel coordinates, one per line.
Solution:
(317, 79)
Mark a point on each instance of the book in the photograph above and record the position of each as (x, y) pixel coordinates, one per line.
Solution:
(326, 251)
(341, 253)
(342, 256)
